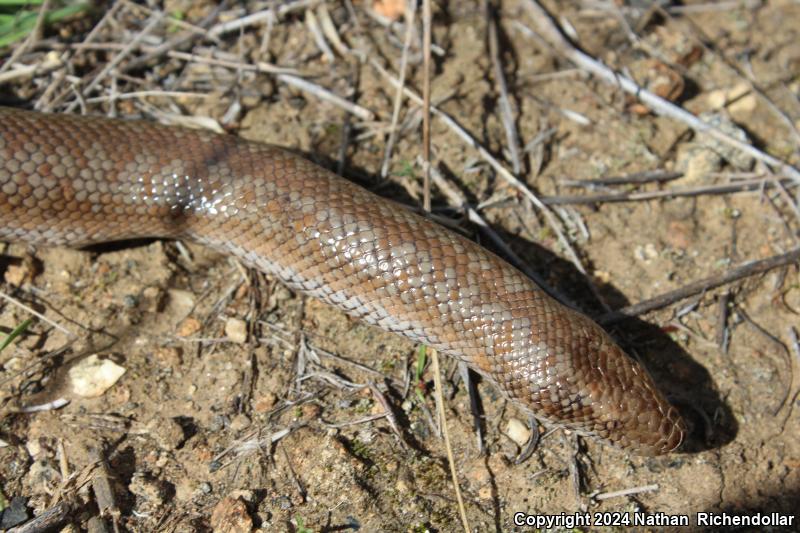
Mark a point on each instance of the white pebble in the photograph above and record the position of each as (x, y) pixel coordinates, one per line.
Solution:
(93, 376)
(236, 330)
(517, 431)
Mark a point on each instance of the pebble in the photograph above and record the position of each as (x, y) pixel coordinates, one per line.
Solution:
(739, 99)
(705, 154)
(265, 402)
(168, 356)
(92, 376)
(180, 302)
(230, 516)
(679, 235)
(147, 488)
(518, 431)
(189, 327)
(168, 434)
(240, 422)
(645, 253)
(18, 275)
(236, 330)
(15, 514)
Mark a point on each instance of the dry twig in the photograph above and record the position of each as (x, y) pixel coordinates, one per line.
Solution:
(550, 32)
(750, 268)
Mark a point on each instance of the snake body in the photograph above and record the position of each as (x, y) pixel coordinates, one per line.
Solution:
(72, 181)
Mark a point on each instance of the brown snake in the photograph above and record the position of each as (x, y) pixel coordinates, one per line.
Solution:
(71, 181)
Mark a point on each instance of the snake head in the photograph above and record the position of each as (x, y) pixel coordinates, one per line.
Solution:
(583, 381)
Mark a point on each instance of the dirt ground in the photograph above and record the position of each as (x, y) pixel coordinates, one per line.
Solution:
(246, 406)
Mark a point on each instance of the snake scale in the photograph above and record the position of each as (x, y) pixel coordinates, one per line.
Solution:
(71, 181)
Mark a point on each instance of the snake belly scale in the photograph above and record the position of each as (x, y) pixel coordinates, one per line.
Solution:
(71, 181)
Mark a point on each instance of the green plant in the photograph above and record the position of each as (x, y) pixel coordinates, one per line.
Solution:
(15, 333)
(17, 20)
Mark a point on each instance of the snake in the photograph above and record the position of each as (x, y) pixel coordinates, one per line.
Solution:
(69, 180)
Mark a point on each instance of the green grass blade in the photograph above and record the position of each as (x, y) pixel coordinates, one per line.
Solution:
(4, 3)
(14, 334)
(23, 23)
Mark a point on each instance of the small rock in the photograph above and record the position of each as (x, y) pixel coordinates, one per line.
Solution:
(15, 514)
(43, 473)
(705, 154)
(744, 105)
(185, 490)
(153, 298)
(230, 516)
(189, 327)
(739, 99)
(401, 486)
(240, 422)
(603, 276)
(147, 488)
(679, 235)
(645, 253)
(92, 376)
(17, 275)
(517, 431)
(34, 447)
(264, 403)
(390, 9)
(236, 330)
(311, 411)
(180, 303)
(167, 433)
(699, 164)
(168, 356)
(248, 496)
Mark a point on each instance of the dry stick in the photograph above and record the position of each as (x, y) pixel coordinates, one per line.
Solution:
(723, 333)
(102, 482)
(742, 186)
(181, 39)
(750, 268)
(50, 519)
(548, 30)
(123, 54)
(713, 6)
(506, 112)
(442, 416)
(33, 36)
(752, 84)
(283, 75)
(324, 94)
(625, 492)
(793, 204)
(43, 104)
(260, 17)
(37, 314)
(398, 98)
(261, 66)
(426, 104)
(330, 31)
(782, 348)
(172, 20)
(495, 164)
(646, 176)
(426, 156)
(796, 349)
(319, 39)
(147, 94)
